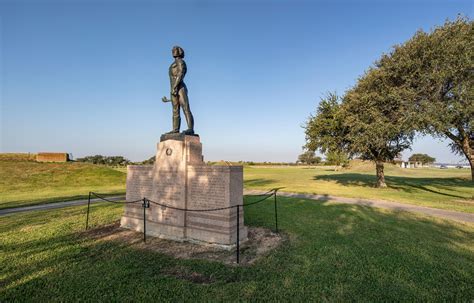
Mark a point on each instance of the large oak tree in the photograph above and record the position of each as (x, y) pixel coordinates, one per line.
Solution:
(425, 84)
(369, 123)
(435, 70)
(376, 121)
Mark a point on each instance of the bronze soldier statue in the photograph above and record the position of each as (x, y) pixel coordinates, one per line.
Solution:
(179, 93)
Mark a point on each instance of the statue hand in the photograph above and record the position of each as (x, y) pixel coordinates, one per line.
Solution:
(164, 99)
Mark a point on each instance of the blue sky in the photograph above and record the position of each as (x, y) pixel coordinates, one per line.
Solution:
(87, 77)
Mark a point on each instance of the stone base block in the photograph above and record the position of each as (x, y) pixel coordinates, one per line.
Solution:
(180, 178)
(193, 235)
(154, 229)
(217, 238)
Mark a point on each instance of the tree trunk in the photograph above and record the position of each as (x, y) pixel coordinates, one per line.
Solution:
(469, 153)
(465, 143)
(471, 163)
(472, 169)
(380, 174)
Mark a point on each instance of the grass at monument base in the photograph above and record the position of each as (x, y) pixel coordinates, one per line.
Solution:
(335, 252)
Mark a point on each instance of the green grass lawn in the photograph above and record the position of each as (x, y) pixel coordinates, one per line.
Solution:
(335, 252)
(440, 188)
(25, 183)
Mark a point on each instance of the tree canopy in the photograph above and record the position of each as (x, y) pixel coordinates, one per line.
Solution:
(435, 72)
(149, 161)
(325, 130)
(378, 127)
(105, 160)
(338, 158)
(369, 122)
(423, 158)
(308, 157)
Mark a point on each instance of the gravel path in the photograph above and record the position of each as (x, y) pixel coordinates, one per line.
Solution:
(435, 212)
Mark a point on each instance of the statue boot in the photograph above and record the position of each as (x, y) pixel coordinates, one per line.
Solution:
(176, 121)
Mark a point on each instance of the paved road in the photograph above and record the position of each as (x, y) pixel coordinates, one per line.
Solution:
(440, 213)
(52, 205)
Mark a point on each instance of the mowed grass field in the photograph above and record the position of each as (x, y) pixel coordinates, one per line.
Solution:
(449, 189)
(24, 183)
(334, 252)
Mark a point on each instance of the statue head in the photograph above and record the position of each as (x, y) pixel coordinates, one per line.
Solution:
(178, 52)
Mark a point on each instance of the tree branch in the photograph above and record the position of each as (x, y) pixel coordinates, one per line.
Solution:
(453, 137)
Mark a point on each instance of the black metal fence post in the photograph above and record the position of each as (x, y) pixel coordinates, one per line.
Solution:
(144, 219)
(238, 234)
(276, 212)
(88, 208)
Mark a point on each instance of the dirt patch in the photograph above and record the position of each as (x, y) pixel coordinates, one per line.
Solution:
(261, 241)
(183, 273)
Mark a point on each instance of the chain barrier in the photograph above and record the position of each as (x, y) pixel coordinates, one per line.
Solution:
(209, 209)
(106, 200)
(147, 202)
(114, 201)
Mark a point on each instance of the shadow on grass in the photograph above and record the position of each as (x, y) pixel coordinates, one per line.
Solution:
(407, 184)
(258, 182)
(319, 168)
(337, 252)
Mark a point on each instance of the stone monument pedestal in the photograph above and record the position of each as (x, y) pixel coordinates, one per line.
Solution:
(180, 178)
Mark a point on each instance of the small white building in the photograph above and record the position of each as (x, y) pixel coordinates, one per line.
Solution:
(412, 164)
